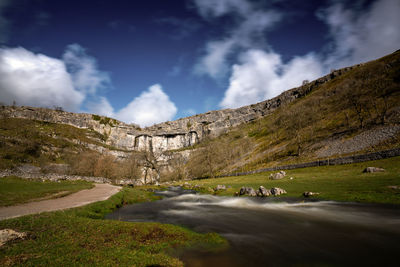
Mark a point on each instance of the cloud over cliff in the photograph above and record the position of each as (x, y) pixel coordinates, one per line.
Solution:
(257, 72)
(36, 80)
(74, 83)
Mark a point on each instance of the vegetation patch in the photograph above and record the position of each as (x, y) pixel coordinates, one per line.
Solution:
(14, 190)
(339, 183)
(82, 237)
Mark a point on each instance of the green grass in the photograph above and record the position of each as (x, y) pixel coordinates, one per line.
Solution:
(340, 183)
(81, 237)
(29, 141)
(14, 190)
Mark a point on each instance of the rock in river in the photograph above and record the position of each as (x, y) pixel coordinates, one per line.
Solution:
(276, 191)
(248, 191)
(263, 192)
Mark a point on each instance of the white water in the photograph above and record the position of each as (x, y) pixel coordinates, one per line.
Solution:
(343, 234)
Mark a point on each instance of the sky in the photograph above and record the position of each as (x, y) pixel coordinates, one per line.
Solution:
(146, 62)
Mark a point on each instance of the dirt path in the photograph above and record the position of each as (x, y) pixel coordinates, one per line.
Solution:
(98, 193)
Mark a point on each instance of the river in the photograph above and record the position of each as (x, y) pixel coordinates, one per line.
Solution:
(278, 231)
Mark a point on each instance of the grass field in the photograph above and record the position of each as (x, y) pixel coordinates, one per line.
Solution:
(14, 190)
(340, 183)
(80, 237)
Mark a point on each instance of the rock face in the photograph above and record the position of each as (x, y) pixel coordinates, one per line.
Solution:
(373, 169)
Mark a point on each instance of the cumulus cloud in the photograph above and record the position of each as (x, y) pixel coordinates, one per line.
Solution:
(73, 83)
(261, 75)
(247, 31)
(212, 8)
(357, 34)
(361, 37)
(101, 107)
(150, 107)
(36, 80)
(84, 71)
(214, 63)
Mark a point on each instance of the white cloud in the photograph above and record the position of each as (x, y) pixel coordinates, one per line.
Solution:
(152, 106)
(216, 8)
(101, 107)
(361, 37)
(36, 80)
(245, 33)
(355, 37)
(261, 75)
(214, 62)
(84, 70)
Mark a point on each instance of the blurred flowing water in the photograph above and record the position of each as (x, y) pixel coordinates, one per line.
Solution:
(264, 232)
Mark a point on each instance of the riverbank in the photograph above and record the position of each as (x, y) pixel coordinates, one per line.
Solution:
(346, 183)
(81, 236)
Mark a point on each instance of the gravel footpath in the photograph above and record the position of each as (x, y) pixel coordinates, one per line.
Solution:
(98, 193)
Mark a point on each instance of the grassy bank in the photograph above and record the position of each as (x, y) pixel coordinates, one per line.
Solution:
(14, 190)
(340, 183)
(80, 237)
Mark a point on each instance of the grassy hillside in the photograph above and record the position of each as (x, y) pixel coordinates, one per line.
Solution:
(339, 183)
(366, 100)
(36, 142)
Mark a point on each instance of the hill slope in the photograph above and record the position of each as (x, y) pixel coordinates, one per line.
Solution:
(349, 111)
(353, 113)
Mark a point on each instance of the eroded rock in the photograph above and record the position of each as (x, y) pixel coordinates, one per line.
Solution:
(220, 187)
(276, 191)
(7, 235)
(373, 169)
(247, 191)
(277, 176)
(263, 192)
(310, 194)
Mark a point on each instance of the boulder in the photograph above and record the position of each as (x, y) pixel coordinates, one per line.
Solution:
(310, 194)
(7, 235)
(276, 191)
(277, 176)
(247, 191)
(263, 192)
(220, 187)
(373, 169)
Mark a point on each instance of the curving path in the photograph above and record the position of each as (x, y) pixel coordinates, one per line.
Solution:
(98, 193)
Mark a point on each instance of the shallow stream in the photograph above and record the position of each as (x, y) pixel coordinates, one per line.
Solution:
(264, 232)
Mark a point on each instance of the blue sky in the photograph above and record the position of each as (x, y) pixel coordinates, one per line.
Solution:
(150, 61)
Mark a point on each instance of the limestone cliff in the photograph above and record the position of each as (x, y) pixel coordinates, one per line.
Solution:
(169, 135)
